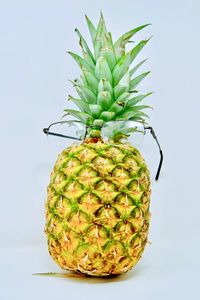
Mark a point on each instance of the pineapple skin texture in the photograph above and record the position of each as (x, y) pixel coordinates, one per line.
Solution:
(97, 209)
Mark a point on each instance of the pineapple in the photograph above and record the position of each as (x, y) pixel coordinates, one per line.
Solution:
(97, 209)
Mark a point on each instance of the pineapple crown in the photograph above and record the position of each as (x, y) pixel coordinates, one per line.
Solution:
(106, 87)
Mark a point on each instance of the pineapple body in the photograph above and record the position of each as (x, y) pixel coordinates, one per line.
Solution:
(97, 210)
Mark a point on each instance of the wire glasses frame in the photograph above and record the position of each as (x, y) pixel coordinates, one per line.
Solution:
(151, 130)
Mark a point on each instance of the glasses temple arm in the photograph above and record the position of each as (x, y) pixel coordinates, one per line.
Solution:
(160, 150)
(47, 132)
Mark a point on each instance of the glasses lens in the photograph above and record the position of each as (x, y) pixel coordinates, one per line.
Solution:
(130, 131)
(134, 133)
(66, 132)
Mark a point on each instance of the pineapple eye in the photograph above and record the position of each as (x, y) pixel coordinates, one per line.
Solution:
(120, 172)
(105, 186)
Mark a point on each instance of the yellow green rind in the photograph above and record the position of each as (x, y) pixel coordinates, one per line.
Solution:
(97, 210)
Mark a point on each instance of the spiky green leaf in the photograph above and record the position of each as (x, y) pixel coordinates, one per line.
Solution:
(122, 86)
(83, 80)
(116, 108)
(107, 50)
(81, 62)
(141, 107)
(105, 85)
(98, 123)
(90, 80)
(130, 113)
(107, 116)
(133, 70)
(135, 81)
(137, 99)
(100, 35)
(123, 97)
(76, 83)
(95, 110)
(88, 94)
(83, 117)
(124, 39)
(121, 68)
(88, 56)
(136, 50)
(91, 29)
(79, 103)
(124, 63)
(102, 70)
(104, 99)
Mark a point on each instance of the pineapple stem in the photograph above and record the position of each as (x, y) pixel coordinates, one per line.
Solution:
(94, 132)
(93, 135)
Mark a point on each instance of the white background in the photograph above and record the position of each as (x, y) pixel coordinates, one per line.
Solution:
(34, 68)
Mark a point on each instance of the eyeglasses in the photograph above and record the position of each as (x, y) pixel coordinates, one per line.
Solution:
(108, 131)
